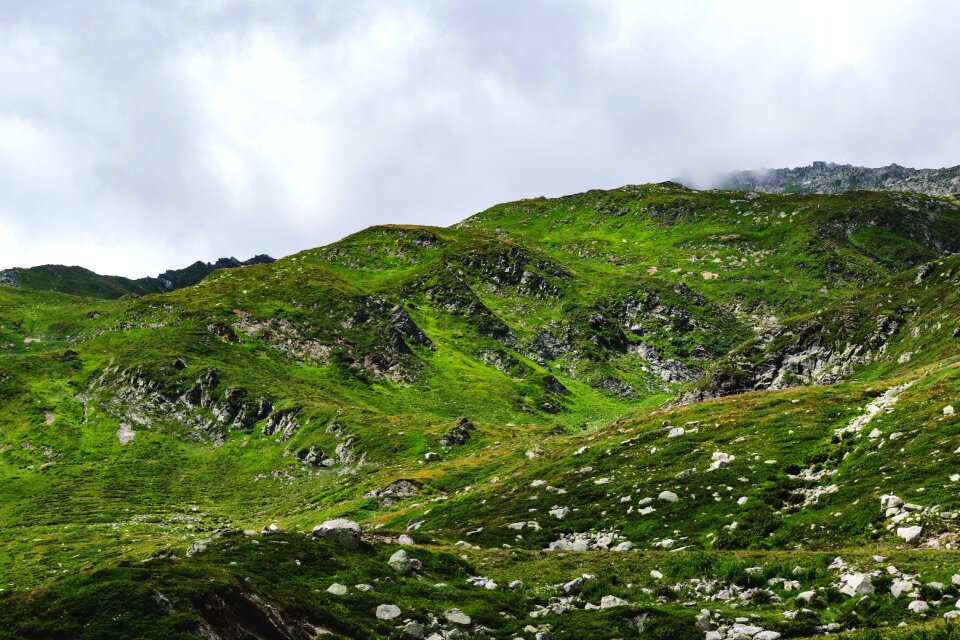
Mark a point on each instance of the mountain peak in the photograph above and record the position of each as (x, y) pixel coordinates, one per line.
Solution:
(829, 177)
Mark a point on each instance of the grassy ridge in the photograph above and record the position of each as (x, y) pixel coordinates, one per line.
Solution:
(553, 326)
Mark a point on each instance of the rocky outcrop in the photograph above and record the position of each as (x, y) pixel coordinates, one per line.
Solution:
(459, 434)
(828, 177)
(806, 352)
(340, 531)
(396, 490)
(157, 400)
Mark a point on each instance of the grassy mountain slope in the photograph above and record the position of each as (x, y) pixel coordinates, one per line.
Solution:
(517, 372)
(83, 282)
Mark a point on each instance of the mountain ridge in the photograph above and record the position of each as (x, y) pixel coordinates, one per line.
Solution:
(81, 281)
(640, 412)
(829, 177)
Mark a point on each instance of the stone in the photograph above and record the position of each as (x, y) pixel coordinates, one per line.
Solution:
(401, 562)
(337, 589)
(767, 635)
(747, 630)
(667, 496)
(559, 512)
(412, 631)
(900, 586)
(388, 612)
(909, 534)
(948, 410)
(704, 623)
(917, 606)
(341, 531)
(607, 602)
(199, 546)
(456, 616)
(856, 584)
(890, 502)
(573, 587)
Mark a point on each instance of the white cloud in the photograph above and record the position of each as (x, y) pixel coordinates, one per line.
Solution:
(139, 136)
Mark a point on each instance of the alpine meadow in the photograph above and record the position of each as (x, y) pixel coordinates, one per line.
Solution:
(651, 410)
(479, 320)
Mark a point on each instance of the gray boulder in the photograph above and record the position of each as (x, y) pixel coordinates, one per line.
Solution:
(388, 612)
(341, 531)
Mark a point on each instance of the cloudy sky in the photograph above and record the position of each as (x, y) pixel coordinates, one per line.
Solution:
(138, 136)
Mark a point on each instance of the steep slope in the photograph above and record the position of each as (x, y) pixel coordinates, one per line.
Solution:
(83, 282)
(754, 253)
(828, 177)
(887, 329)
(73, 280)
(478, 394)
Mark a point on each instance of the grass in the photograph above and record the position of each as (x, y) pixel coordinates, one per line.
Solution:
(549, 324)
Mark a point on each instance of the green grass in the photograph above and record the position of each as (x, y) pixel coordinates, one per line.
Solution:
(545, 322)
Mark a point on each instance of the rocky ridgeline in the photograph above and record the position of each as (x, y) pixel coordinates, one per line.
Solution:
(828, 177)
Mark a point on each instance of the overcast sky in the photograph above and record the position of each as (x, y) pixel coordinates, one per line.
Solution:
(140, 136)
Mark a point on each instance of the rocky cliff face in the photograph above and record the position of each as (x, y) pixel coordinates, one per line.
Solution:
(828, 177)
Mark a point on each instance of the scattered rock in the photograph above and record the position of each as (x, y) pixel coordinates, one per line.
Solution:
(456, 616)
(388, 612)
(917, 606)
(401, 562)
(608, 602)
(341, 531)
(909, 534)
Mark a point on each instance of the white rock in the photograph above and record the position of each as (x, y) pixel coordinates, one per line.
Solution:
(559, 512)
(767, 635)
(656, 575)
(742, 501)
(573, 587)
(337, 589)
(900, 586)
(890, 502)
(668, 496)
(855, 584)
(341, 531)
(607, 602)
(948, 410)
(918, 606)
(456, 617)
(388, 612)
(401, 562)
(909, 534)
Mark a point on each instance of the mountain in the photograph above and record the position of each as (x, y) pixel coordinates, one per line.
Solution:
(594, 416)
(828, 177)
(83, 282)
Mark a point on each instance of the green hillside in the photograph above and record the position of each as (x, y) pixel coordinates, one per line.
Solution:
(699, 399)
